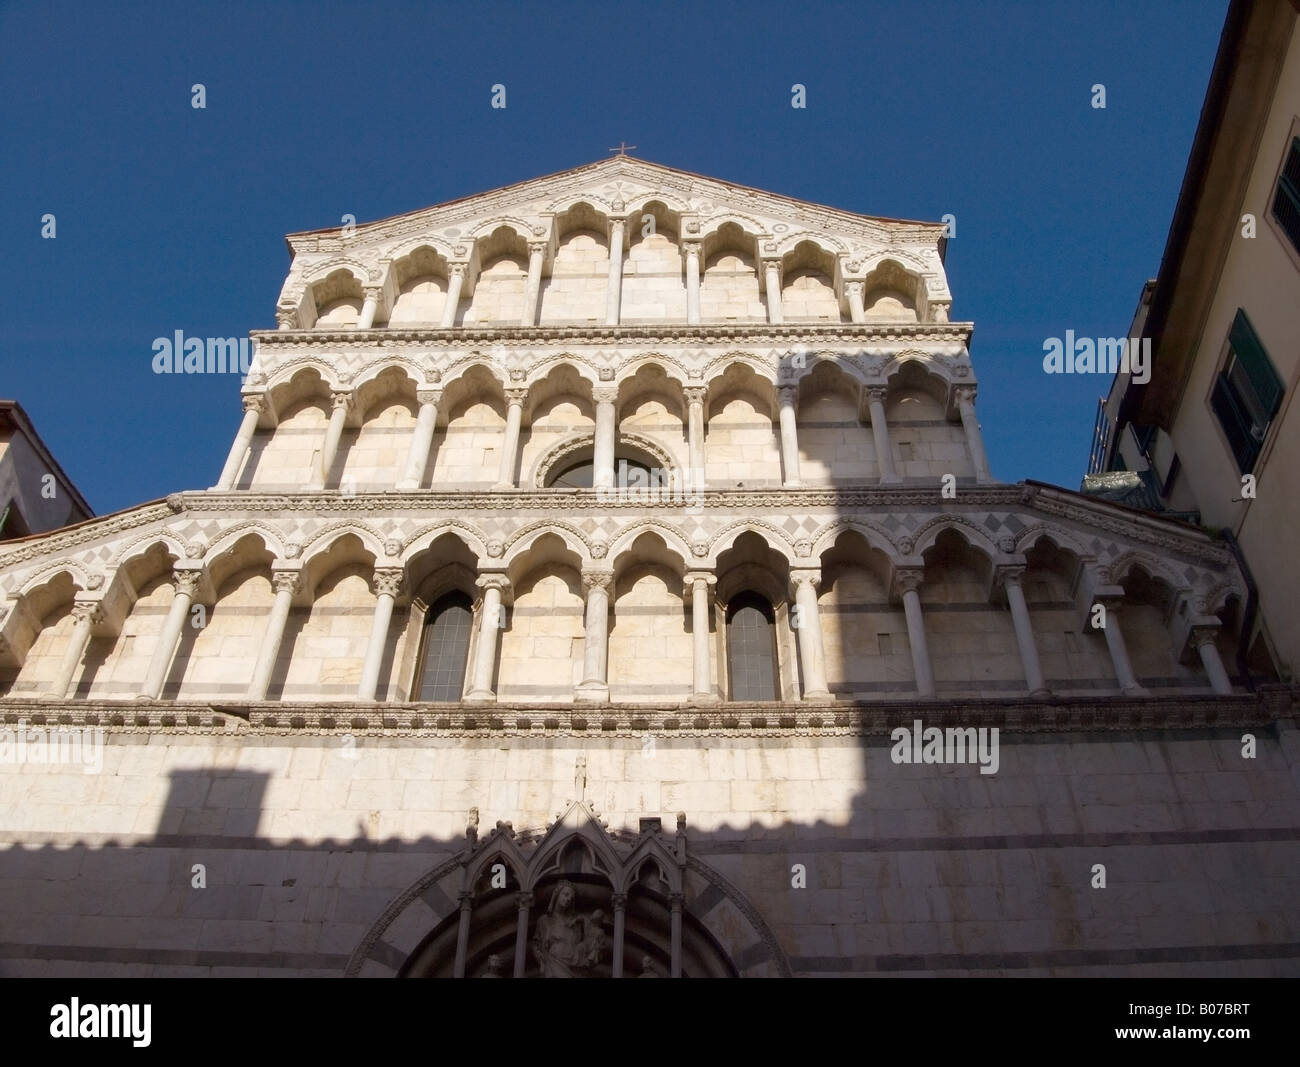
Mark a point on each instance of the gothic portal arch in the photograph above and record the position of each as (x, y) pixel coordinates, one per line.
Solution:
(589, 903)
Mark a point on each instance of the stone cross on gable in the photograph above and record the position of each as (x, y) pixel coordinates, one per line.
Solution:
(622, 148)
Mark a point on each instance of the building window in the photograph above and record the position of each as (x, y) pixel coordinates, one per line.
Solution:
(1286, 201)
(627, 473)
(751, 648)
(1246, 394)
(445, 648)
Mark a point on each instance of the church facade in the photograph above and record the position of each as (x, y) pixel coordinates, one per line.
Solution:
(607, 578)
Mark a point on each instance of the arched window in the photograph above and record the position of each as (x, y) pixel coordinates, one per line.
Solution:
(751, 648)
(445, 648)
(628, 473)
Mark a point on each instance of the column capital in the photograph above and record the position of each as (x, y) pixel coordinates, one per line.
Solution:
(805, 577)
(695, 394)
(604, 394)
(341, 398)
(373, 292)
(493, 580)
(964, 394)
(388, 580)
(692, 248)
(1204, 634)
(516, 397)
(852, 287)
(538, 248)
(788, 394)
(187, 581)
(428, 396)
(457, 268)
(285, 580)
(908, 580)
(93, 610)
(597, 579)
(1009, 573)
(619, 900)
(523, 900)
(691, 577)
(875, 394)
(286, 317)
(254, 402)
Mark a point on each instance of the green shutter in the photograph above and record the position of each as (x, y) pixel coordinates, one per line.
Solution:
(1286, 201)
(1236, 424)
(1255, 362)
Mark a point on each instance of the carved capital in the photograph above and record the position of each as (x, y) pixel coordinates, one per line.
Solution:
(537, 248)
(341, 400)
(695, 394)
(91, 611)
(875, 394)
(187, 581)
(457, 270)
(516, 397)
(852, 288)
(254, 402)
(429, 396)
(1009, 574)
(604, 394)
(374, 292)
(964, 395)
(286, 317)
(493, 581)
(789, 394)
(597, 580)
(1203, 635)
(523, 900)
(692, 248)
(388, 581)
(286, 581)
(798, 578)
(908, 580)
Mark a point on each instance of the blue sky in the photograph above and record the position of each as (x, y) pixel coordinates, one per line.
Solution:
(173, 218)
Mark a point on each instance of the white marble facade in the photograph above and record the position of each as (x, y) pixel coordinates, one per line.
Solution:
(789, 376)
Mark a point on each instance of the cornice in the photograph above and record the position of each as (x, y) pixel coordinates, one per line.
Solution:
(383, 720)
(456, 337)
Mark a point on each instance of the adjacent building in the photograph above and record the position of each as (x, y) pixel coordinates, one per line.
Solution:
(1214, 435)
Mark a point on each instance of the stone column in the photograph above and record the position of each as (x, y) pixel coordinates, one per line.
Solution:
(510, 446)
(1011, 577)
(907, 583)
(187, 584)
(697, 588)
(1203, 637)
(388, 582)
(880, 434)
(692, 283)
(342, 404)
(86, 615)
(788, 394)
(462, 934)
(1114, 635)
(812, 653)
(857, 313)
(368, 308)
(417, 458)
(485, 658)
(524, 902)
(974, 440)
(594, 687)
(676, 901)
(606, 432)
(253, 406)
(620, 925)
(455, 282)
(536, 254)
(695, 395)
(772, 275)
(285, 583)
(614, 291)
